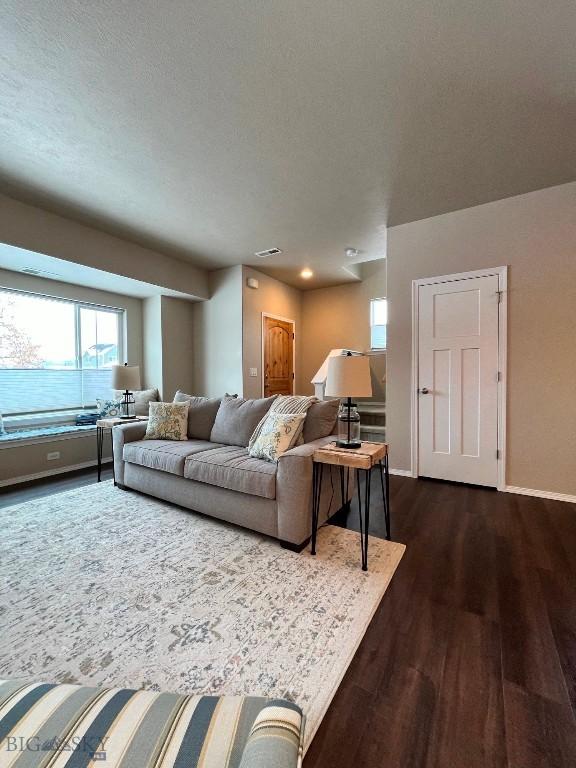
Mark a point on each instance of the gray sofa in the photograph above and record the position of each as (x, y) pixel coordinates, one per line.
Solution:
(220, 479)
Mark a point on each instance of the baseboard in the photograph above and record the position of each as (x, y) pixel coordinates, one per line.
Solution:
(540, 494)
(401, 472)
(51, 472)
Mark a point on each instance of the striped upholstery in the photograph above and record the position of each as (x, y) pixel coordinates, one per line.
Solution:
(285, 404)
(70, 726)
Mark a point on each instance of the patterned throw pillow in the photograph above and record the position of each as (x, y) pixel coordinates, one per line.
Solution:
(286, 404)
(167, 421)
(109, 409)
(278, 434)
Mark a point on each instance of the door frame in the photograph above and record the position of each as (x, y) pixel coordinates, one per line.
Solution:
(502, 274)
(293, 324)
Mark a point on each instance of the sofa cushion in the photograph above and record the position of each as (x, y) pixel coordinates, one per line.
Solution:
(237, 419)
(201, 414)
(166, 455)
(231, 467)
(142, 399)
(65, 724)
(320, 420)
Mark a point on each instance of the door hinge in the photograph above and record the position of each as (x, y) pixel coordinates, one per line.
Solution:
(499, 295)
(497, 453)
(293, 336)
(498, 375)
(292, 375)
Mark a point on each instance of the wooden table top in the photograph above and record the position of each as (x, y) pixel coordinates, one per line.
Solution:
(112, 421)
(364, 457)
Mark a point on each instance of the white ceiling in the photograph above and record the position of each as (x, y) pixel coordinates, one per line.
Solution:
(212, 129)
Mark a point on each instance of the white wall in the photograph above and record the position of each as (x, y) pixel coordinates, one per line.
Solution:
(536, 235)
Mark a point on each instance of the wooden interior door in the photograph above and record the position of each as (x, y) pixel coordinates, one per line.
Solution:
(278, 362)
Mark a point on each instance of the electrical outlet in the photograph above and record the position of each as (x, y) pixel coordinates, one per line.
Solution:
(53, 456)
(253, 371)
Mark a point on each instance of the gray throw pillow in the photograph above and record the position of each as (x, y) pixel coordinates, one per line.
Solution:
(201, 414)
(237, 419)
(142, 398)
(320, 420)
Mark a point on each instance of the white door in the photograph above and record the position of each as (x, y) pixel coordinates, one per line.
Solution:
(458, 380)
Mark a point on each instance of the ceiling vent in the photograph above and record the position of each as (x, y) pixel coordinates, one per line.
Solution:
(268, 252)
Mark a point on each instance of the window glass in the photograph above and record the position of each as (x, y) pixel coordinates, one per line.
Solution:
(55, 354)
(378, 323)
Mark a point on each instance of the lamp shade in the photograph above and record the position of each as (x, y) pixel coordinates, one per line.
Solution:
(126, 377)
(349, 376)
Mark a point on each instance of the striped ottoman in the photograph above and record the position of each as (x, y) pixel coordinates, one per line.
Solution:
(71, 726)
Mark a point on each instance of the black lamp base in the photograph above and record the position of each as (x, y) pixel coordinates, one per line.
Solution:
(346, 444)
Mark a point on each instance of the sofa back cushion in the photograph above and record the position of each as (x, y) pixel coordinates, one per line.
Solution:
(201, 414)
(320, 420)
(142, 399)
(237, 419)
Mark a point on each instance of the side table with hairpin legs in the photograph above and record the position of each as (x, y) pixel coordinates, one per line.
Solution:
(362, 460)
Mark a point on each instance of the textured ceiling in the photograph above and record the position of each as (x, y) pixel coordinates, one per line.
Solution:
(214, 129)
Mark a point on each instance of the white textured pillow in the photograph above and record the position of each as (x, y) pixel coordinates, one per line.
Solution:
(167, 421)
(277, 434)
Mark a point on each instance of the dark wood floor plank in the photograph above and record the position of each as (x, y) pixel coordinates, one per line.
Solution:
(470, 659)
(470, 707)
(539, 733)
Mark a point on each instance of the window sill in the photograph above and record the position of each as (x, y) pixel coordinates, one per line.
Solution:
(21, 437)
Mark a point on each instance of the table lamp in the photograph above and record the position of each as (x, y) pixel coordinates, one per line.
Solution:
(126, 377)
(348, 376)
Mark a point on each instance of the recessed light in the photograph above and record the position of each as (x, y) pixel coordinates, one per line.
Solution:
(351, 252)
(306, 273)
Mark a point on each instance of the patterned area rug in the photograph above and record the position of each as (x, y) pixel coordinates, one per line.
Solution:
(106, 587)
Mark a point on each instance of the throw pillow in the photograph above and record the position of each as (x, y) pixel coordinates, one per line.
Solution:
(320, 420)
(201, 414)
(286, 404)
(142, 399)
(237, 419)
(109, 409)
(278, 434)
(167, 421)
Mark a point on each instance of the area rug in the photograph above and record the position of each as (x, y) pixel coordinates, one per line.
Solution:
(101, 586)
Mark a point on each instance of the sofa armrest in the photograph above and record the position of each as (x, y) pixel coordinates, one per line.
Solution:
(294, 491)
(122, 434)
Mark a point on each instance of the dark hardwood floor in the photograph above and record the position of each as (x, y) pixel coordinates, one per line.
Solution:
(470, 659)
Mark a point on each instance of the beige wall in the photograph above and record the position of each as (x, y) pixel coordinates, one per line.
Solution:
(217, 336)
(25, 460)
(35, 229)
(536, 235)
(338, 317)
(275, 298)
(177, 346)
(152, 333)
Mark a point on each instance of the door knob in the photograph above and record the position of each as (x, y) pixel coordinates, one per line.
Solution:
(424, 391)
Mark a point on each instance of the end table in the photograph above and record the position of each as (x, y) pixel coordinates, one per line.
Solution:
(101, 426)
(362, 459)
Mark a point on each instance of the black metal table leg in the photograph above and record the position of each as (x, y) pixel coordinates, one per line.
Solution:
(112, 455)
(364, 515)
(99, 439)
(385, 483)
(317, 472)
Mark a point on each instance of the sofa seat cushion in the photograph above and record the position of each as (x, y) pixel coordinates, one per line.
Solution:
(166, 455)
(231, 467)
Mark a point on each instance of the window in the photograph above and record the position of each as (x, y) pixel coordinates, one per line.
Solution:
(55, 354)
(378, 322)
